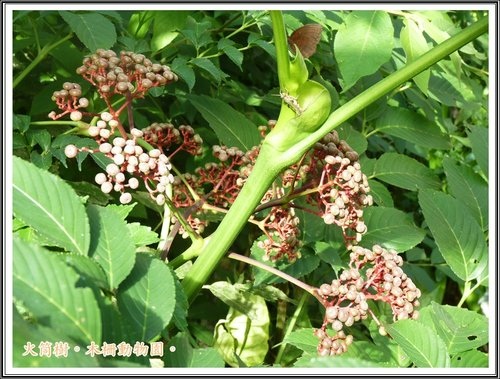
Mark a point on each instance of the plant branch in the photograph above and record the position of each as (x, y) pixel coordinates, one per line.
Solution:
(306, 287)
(271, 161)
(40, 57)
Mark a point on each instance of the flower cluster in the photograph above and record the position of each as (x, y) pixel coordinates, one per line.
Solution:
(127, 73)
(373, 275)
(166, 136)
(131, 76)
(388, 280)
(217, 182)
(129, 162)
(281, 228)
(69, 100)
(342, 188)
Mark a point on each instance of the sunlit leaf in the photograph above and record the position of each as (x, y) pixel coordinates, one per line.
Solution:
(362, 44)
(232, 127)
(457, 234)
(405, 172)
(50, 206)
(422, 345)
(147, 298)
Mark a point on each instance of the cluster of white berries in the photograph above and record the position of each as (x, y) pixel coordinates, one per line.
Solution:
(389, 280)
(129, 162)
(335, 345)
(373, 275)
(344, 193)
(69, 101)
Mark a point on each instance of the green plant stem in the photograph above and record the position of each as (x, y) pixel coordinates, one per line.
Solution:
(190, 253)
(291, 326)
(76, 124)
(468, 290)
(306, 287)
(270, 161)
(388, 84)
(165, 227)
(40, 57)
(282, 59)
(260, 179)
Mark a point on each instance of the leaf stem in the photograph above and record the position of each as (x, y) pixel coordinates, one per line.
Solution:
(40, 57)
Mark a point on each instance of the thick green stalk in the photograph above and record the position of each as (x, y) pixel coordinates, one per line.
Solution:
(263, 174)
(271, 160)
(281, 47)
(386, 85)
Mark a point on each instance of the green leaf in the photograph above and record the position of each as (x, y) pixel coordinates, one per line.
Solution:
(147, 298)
(207, 357)
(469, 188)
(180, 351)
(185, 356)
(181, 67)
(437, 30)
(457, 234)
(89, 270)
(448, 89)
(412, 127)
(356, 140)
(241, 339)
(422, 345)
(460, 329)
(231, 295)
(111, 245)
(197, 32)
(303, 339)
(313, 228)
(471, 358)
(62, 140)
(43, 161)
(207, 65)
(92, 191)
(139, 23)
(47, 288)
(380, 193)
(303, 266)
(93, 29)
(362, 44)
(25, 332)
(405, 172)
(50, 206)
(415, 45)
(232, 128)
(335, 362)
(181, 306)
(142, 235)
(256, 39)
(21, 122)
(479, 141)
(165, 27)
(43, 138)
(232, 53)
(121, 210)
(391, 228)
